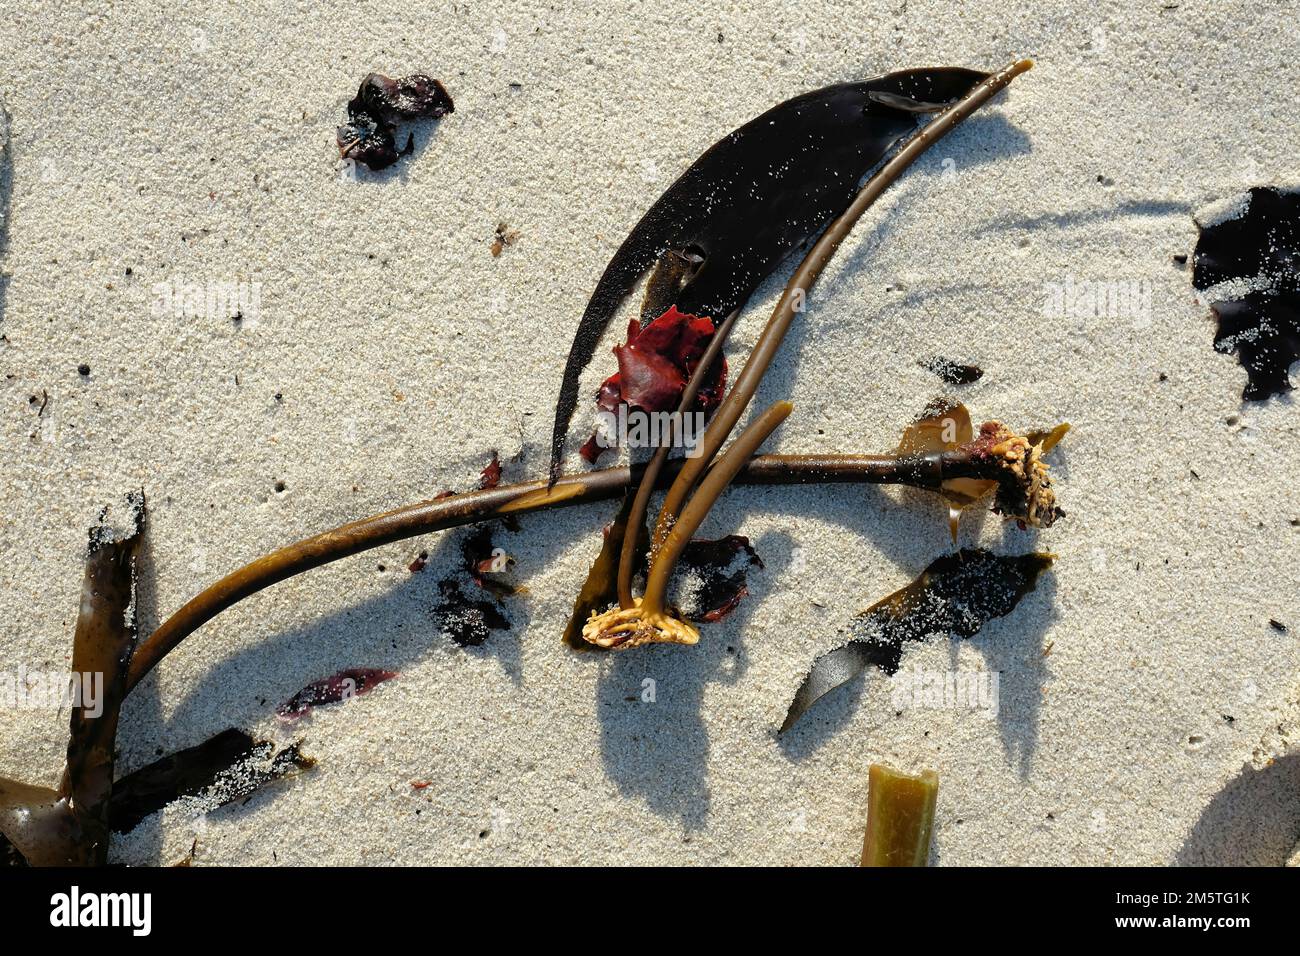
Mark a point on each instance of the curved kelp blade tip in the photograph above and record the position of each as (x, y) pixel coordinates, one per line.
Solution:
(752, 198)
(600, 590)
(957, 594)
(69, 826)
(1248, 265)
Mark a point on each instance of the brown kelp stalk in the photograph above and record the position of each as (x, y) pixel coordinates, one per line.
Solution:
(900, 817)
(801, 283)
(647, 621)
(70, 826)
(650, 477)
(474, 506)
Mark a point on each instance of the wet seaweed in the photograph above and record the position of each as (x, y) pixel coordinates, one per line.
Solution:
(368, 137)
(343, 686)
(69, 826)
(222, 769)
(957, 594)
(750, 200)
(1248, 264)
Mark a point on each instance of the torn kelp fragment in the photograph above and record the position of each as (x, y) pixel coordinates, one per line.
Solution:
(221, 769)
(654, 365)
(757, 194)
(1248, 266)
(368, 136)
(954, 373)
(600, 590)
(69, 826)
(1023, 486)
(713, 576)
(467, 622)
(959, 593)
(261, 765)
(184, 773)
(343, 686)
(407, 98)
(900, 817)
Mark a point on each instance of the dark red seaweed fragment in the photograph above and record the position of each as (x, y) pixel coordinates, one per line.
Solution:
(654, 366)
(958, 594)
(409, 97)
(369, 134)
(722, 578)
(344, 685)
(752, 198)
(1259, 321)
(490, 477)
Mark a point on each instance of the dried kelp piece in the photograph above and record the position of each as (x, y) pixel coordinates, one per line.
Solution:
(467, 622)
(203, 784)
(958, 593)
(409, 97)
(752, 198)
(69, 827)
(181, 774)
(954, 373)
(600, 590)
(368, 136)
(654, 366)
(264, 765)
(343, 686)
(716, 573)
(104, 640)
(1248, 264)
(945, 426)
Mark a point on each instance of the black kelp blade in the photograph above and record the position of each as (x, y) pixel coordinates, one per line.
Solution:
(221, 770)
(959, 593)
(755, 196)
(1258, 252)
(184, 773)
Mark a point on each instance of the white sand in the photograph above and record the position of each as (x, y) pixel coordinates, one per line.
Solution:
(199, 144)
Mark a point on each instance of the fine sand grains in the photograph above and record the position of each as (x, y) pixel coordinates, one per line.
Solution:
(356, 345)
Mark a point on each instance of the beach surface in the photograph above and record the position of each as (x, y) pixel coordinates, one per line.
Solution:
(1147, 708)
